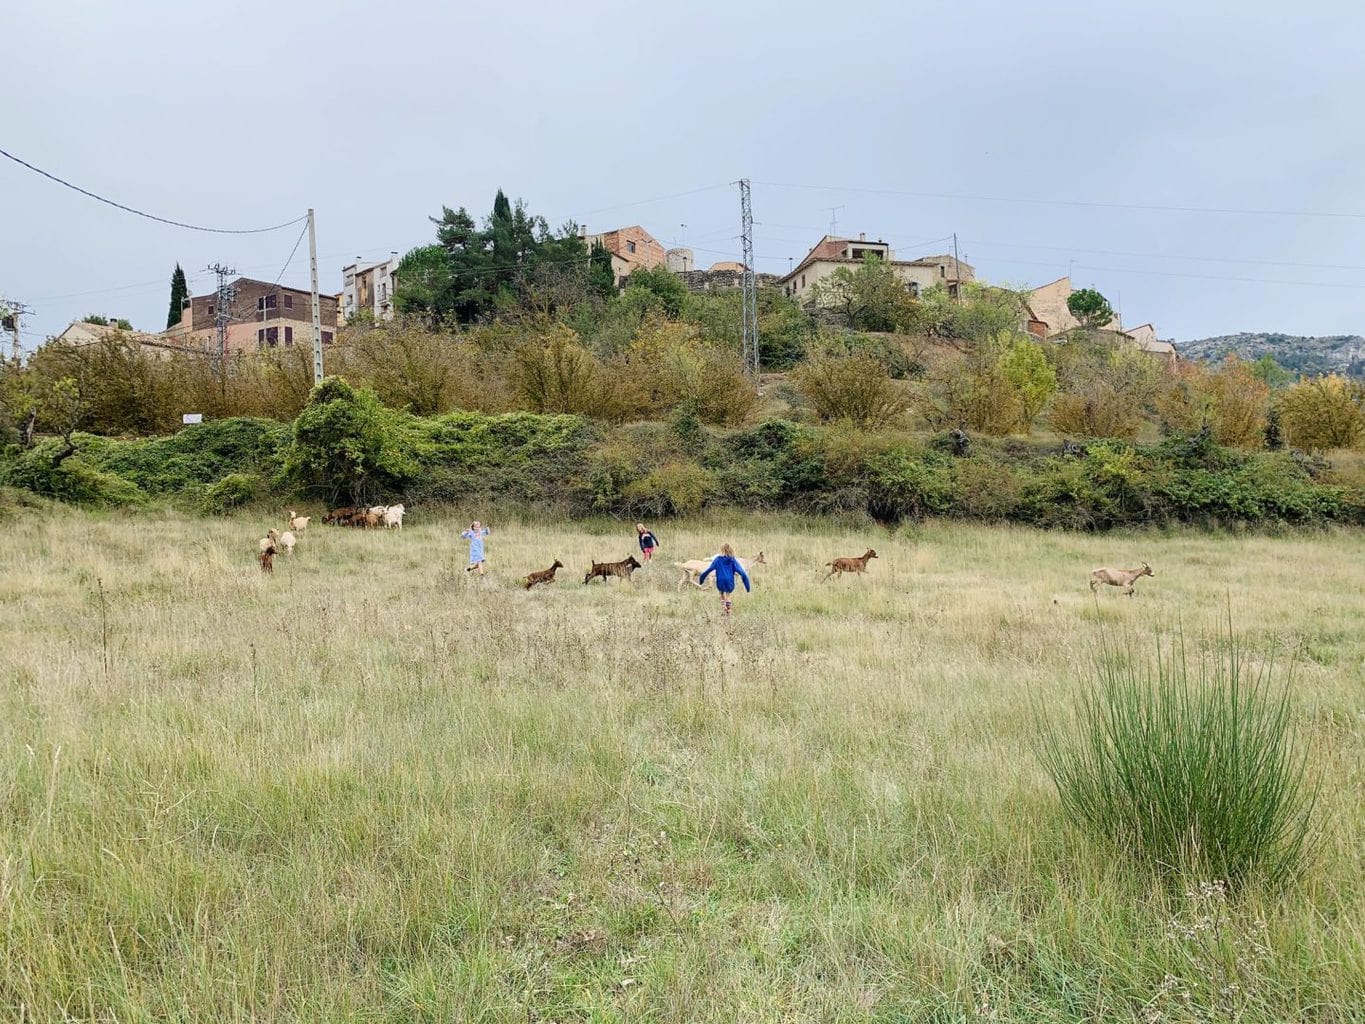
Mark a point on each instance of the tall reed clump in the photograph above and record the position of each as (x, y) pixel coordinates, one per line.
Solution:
(1187, 768)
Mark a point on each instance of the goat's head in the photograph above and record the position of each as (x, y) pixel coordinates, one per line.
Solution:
(273, 533)
(630, 561)
(760, 560)
(558, 565)
(292, 514)
(1147, 571)
(870, 554)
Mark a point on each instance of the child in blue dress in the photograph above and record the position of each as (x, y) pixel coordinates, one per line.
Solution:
(475, 535)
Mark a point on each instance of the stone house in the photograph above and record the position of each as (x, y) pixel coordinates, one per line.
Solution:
(831, 253)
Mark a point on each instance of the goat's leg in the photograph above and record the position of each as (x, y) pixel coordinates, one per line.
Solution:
(1093, 584)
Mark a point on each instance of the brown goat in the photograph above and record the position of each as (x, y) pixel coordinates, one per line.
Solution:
(338, 515)
(1125, 578)
(267, 557)
(606, 569)
(542, 575)
(854, 565)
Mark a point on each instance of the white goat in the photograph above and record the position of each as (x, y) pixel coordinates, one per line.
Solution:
(1125, 578)
(298, 523)
(694, 567)
(393, 516)
(286, 542)
(270, 540)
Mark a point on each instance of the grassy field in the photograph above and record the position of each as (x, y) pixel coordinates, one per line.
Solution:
(371, 788)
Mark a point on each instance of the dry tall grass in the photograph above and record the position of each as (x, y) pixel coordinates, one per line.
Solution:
(371, 788)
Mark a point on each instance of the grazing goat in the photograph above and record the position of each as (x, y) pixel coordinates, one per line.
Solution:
(694, 567)
(541, 575)
(854, 565)
(287, 540)
(341, 516)
(298, 523)
(606, 569)
(271, 538)
(267, 557)
(1125, 578)
(372, 520)
(393, 516)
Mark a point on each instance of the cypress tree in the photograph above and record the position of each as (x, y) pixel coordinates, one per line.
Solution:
(180, 291)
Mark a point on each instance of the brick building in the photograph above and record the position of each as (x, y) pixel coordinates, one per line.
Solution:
(631, 249)
(262, 316)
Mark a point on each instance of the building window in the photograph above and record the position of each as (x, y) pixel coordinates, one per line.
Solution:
(272, 336)
(803, 280)
(289, 302)
(326, 337)
(260, 338)
(913, 288)
(383, 292)
(210, 309)
(942, 270)
(630, 247)
(288, 336)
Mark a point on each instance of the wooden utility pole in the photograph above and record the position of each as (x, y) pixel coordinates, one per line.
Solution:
(317, 307)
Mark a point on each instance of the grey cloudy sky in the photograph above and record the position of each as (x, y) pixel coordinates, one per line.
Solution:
(905, 116)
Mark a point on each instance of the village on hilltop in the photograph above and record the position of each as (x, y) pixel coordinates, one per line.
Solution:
(265, 316)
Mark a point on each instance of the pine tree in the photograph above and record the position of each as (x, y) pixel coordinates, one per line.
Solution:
(180, 291)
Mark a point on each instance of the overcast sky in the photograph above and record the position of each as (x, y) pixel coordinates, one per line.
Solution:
(1011, 124)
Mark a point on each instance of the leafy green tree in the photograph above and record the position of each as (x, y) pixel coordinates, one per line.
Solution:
(426, 284)
(346, 442)
(180, 291)
(1033, 381)
(664, 285)
(871, 297)
(485, 267)
(1091, 308)
(96, 319)
(601, 278)
(1271, 373)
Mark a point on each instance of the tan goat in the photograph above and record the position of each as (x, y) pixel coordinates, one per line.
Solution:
(1125, 578)
(853, 565)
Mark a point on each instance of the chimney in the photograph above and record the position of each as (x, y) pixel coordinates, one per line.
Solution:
(862, 236)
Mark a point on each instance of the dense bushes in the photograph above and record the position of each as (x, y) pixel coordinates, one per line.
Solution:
(346, 447)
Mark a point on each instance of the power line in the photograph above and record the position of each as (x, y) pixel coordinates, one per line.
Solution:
(1173, 256)
(1066, 202)
(658, 199)
(141, 213)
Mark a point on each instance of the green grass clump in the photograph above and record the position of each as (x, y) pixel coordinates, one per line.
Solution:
(1188, 769)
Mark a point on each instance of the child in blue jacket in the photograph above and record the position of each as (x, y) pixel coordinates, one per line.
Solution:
(725, 565)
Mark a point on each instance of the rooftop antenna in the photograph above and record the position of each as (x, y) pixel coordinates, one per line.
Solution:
(834, 219)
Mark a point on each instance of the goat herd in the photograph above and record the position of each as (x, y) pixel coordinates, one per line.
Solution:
(276, 541)
(391, 516)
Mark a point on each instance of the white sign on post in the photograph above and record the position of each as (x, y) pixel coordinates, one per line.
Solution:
(192, 417)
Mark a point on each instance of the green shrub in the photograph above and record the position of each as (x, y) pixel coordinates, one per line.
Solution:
(676, 488)
(347, 443)
(231, 492)
(903, 484)
(1186, 769)
(73, 479)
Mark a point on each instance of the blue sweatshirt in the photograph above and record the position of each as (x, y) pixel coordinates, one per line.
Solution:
(725, 567)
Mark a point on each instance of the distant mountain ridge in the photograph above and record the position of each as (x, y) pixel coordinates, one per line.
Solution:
(1340, 353)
